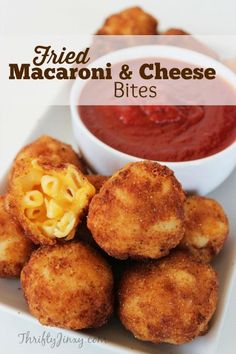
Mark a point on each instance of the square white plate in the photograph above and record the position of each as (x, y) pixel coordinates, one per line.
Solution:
(56, 122)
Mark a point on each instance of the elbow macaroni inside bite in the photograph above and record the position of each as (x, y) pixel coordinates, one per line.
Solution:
(54, 210)
(33, 199)
(56, 201)
(48, 227)
(65, 225)
(34, 213)
(50, 185)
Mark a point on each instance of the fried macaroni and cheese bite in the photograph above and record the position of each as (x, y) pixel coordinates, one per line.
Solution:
(49, 150)
(48, 201)
(15, 248)
(139, 212)
(68, 285)
(175, 32)
(132, 21)
(168, 301)
(206, 228)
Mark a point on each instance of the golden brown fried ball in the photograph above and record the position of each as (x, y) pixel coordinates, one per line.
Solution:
(15, 248)
(48, 201)
(168, 301)
(97, 181)
(69, 286)
(175, 32)
(50, 150)
(206, 228)
(139, 212)
(132, 21)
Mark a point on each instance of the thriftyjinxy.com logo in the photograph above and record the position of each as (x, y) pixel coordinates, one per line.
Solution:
(56, 340)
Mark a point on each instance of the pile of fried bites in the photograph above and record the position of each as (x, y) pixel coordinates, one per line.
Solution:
(80, 242)
(63, 231)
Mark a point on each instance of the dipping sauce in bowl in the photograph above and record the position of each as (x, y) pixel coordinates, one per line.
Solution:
(163, 133)
(169, 133)
(194, 135)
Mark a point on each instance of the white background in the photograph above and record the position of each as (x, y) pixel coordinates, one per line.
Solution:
(27, 17)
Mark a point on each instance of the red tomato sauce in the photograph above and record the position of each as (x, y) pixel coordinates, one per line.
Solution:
(163, 133)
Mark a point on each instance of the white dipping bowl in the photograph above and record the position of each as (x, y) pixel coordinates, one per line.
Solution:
(200, 176)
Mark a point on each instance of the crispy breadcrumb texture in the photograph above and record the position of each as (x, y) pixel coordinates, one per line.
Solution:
(15, 247)
(139, 212)
(206, 228)
(50, 150)
(132, 21)
(48, 201)
(69, 286)
(175, 32)
(168, 301)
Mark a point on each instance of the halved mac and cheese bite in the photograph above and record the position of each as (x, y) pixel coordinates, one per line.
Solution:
(15, 247)
(48, 201)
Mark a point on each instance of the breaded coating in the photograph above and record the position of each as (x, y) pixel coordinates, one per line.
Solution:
(68, 285)
(139, 212)
(15, 248)
(206, 228)
(50, 150)
(97, 181)
(132, 21)
(175, 32)
(48, 201)
(168, 301)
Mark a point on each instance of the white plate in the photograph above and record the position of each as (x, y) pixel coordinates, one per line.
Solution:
(56, 122)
